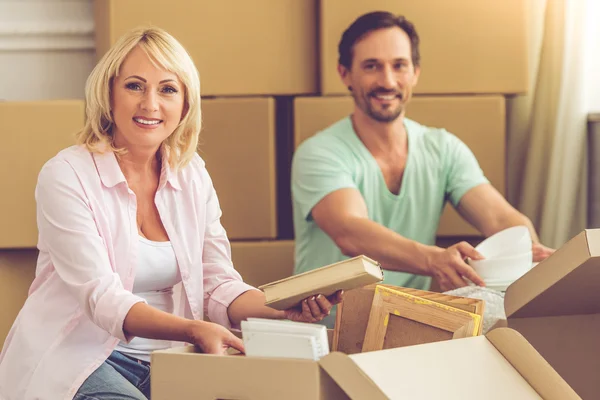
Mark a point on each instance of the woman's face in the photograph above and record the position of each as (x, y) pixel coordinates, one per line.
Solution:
(147, 103)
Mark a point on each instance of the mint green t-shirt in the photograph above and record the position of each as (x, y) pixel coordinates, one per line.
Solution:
(439, 167)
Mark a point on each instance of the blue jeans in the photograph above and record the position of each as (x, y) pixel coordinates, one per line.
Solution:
(119, 377)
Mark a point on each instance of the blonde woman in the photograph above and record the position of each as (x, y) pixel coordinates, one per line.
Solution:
(123, 217)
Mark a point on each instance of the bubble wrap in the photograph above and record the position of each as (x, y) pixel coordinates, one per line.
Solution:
(494, 303)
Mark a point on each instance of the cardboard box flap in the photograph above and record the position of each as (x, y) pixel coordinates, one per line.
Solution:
(531, 365)
(566, 283)
(470, 368)
(348, 376)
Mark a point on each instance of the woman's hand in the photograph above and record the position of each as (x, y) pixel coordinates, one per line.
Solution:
(314, 309)
(213, 338)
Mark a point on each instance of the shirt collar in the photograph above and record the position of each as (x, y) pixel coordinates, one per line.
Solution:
(108, 168)
(167, 174)
(111, 174)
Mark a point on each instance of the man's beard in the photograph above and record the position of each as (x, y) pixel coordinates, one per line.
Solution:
(386, 117)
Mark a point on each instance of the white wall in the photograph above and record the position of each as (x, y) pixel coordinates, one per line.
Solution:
(46, 48)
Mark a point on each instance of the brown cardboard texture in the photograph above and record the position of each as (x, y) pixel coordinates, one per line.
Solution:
(556, 307)
(240, 158)
(263, 261)
(34, 132)
(464, 116)
(259, 47)
(353, 315)
(500, 365)
(466, 40)
(181, 374)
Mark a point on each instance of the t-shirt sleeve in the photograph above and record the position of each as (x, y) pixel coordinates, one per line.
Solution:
(317, 171)
(463, 170)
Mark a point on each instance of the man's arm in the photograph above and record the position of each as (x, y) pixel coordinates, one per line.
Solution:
(342, 214)
(488, 211)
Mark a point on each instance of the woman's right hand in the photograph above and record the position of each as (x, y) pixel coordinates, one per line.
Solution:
(213, 338)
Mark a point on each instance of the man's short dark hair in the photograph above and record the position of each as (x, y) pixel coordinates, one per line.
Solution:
(371, 22)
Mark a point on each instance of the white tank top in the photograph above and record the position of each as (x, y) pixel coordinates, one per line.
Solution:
(156, 274)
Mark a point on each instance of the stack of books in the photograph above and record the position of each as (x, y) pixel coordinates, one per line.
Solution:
(284, 339)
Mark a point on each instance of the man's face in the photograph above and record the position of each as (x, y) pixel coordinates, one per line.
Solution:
(382, 75)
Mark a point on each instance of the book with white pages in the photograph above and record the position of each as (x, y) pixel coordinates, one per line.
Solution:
(280, 345)
(287, 339)
(285, 326)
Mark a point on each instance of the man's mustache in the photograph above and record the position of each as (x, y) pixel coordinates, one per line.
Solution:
(385, 92)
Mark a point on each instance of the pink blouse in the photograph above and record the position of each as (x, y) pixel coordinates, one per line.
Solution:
(88, 242)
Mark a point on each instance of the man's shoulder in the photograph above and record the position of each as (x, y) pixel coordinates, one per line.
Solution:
(328, 139)
(332, 134)
(430, 138)
(426, 132)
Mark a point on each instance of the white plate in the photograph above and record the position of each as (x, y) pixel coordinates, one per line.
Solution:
(508, 242)
(503, 269)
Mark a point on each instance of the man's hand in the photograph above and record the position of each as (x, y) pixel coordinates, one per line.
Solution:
(448, 266)
(314, 309)
(541, 252)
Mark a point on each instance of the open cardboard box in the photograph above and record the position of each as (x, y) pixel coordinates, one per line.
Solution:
(499, 365)
(556, 307)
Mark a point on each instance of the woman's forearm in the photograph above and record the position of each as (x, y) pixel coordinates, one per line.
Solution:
(251, 304)
(148, 322)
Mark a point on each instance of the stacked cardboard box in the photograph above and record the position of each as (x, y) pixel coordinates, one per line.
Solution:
(33, 132)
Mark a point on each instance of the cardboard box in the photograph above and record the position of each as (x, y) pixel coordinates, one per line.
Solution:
(263, 262)
(468, 46)
(33, 133)
(501, 365)
(238, 144)
(479, 121)
(556, 307)
(241, 48)
(17, 270)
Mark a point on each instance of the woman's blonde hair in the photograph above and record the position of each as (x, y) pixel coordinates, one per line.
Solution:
(166, 53)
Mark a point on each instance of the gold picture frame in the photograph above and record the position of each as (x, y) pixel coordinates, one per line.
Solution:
(389, 303)
(353, 313)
